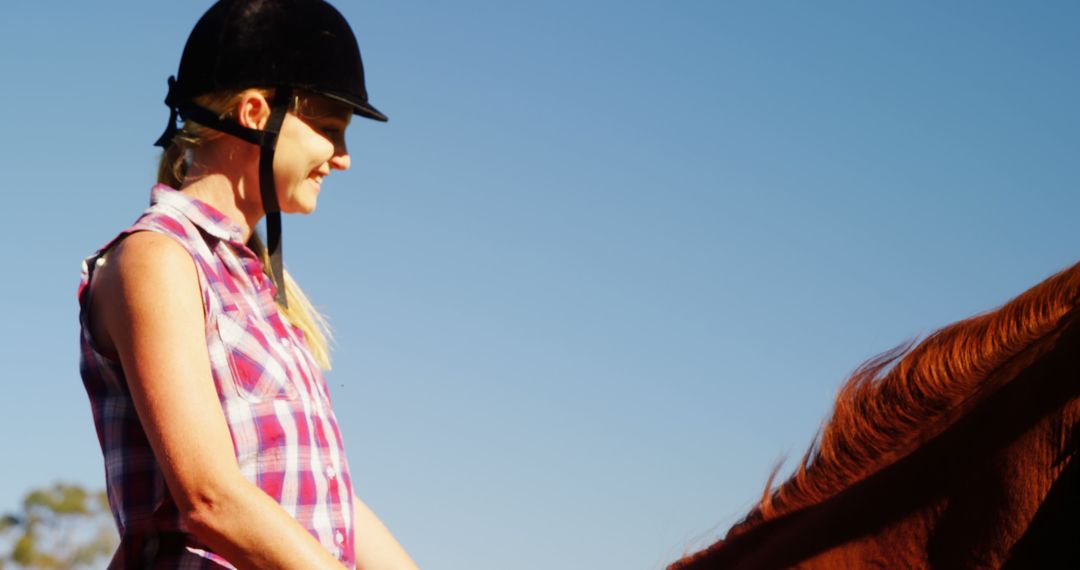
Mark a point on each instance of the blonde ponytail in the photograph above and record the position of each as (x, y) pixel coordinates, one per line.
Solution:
(172, 167)
(300, 312)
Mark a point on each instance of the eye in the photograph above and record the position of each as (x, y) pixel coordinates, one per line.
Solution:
(332, 132)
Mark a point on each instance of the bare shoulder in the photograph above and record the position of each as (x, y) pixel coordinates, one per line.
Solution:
(145, 276)
(144, 262)
(148, 255)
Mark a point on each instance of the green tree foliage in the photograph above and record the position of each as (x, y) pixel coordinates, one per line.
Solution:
(64, 527)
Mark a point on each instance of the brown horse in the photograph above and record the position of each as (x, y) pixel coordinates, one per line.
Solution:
(958, 453)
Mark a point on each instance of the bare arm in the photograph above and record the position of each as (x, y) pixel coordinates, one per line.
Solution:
(146, 303)
(376, 548)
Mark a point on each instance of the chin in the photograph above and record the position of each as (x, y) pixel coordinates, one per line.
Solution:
(300, 206)
(307, 205)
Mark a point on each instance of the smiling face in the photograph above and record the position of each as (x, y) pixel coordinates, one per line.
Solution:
(311, 144)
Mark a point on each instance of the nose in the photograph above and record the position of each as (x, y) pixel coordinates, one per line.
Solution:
(341, 159)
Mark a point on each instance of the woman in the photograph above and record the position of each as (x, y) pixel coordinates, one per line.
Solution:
(201, 357)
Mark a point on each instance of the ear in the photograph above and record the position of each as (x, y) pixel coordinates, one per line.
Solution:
(253, 110)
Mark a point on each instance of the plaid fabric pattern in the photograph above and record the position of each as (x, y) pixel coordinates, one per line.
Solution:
(273, 394)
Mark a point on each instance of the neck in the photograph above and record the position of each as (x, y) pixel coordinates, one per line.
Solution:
(233, 193)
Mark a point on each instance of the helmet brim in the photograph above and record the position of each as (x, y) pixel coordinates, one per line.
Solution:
(362, 108)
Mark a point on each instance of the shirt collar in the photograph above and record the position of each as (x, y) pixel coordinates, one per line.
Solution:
(203, 215)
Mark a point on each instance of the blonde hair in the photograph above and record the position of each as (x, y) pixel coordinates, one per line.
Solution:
(172, 169)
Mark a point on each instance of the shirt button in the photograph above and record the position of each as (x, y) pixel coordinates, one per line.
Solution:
(286, 342)
(331, 472)
(340, 537)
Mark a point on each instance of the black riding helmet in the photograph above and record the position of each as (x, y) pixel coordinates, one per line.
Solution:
(287, 45)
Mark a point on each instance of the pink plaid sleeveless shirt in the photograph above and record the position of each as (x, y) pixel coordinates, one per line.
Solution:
(273, 394)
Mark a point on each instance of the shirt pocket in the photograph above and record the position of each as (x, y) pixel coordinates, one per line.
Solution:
(257, 358)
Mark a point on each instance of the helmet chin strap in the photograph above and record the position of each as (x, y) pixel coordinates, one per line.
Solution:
(266, 139)
(280, 105)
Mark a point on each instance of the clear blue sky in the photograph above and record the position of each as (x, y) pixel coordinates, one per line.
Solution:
(607, 262)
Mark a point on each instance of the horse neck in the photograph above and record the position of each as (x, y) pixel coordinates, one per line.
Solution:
(964, 499)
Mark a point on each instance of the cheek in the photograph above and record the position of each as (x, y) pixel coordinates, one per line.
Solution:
(321, 149)
(289, 179)
(287, 171)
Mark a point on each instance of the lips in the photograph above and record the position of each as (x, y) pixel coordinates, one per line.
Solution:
(318, 177)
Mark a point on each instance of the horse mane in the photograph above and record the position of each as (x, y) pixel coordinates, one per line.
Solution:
(904, 397)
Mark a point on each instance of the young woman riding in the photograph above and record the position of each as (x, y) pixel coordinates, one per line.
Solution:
(201, 357)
